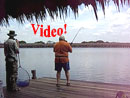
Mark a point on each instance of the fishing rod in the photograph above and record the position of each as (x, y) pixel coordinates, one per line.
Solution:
(76, 35)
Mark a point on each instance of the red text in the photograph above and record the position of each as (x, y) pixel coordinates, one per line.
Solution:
(48, 32)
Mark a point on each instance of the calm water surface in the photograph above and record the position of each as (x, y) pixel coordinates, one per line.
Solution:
(107, 65)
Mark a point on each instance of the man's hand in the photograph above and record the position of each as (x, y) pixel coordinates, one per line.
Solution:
(17, 42)
(71, 44)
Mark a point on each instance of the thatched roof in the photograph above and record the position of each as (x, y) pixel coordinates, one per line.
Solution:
(27, 9)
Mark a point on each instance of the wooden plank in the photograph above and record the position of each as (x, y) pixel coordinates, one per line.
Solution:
(46, 88)
(114, 88)
(83, 83)
(66, 92)
(99, 86)
(81, 91)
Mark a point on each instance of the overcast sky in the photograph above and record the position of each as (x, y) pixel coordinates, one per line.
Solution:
(114, 26)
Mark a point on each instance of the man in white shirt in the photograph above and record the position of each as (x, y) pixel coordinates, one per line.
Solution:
(11, 49)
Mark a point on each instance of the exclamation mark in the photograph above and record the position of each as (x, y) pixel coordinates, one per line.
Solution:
(65, 28)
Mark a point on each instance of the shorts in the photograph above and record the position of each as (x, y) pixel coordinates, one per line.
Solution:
(58, 66)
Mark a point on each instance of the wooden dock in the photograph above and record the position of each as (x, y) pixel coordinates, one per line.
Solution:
(46, 88)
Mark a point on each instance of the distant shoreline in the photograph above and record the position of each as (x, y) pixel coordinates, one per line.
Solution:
(77, 45)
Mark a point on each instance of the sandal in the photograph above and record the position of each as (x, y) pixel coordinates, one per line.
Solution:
(17, 89)
(14, 90)
(67, 84)
(57, 85)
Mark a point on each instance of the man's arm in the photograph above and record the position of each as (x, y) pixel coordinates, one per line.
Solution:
(69, 48)
(17, 42)
(16, 45)
(5, 51)
(54, 48)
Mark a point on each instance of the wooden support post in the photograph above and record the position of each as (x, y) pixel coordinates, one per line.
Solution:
(33, 74)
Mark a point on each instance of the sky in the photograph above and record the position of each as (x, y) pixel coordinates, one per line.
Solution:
(114, 26)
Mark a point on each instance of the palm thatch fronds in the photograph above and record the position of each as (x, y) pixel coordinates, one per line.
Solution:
(27, 9)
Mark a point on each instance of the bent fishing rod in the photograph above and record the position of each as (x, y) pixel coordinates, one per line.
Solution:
(76, 35)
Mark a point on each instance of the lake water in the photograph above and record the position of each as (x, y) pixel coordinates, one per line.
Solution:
(107, 65)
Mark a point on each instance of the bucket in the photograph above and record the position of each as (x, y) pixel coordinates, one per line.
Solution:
(1, 90)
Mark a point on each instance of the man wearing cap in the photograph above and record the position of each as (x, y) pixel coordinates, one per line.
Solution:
(61, 50)
(11, 49)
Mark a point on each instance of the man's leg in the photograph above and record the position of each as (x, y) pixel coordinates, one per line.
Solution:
(14, 75)
(8, 76)
(58, 77)
(58, 68)
(67, 76)
(8, 83)
(11, 76)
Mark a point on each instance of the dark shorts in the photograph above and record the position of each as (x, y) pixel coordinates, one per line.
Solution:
(59, 66)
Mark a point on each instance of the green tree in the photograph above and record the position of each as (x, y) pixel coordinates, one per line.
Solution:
(84, 42)
(50, 42)
(40, 42)
(22, 42)
(99, 41)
